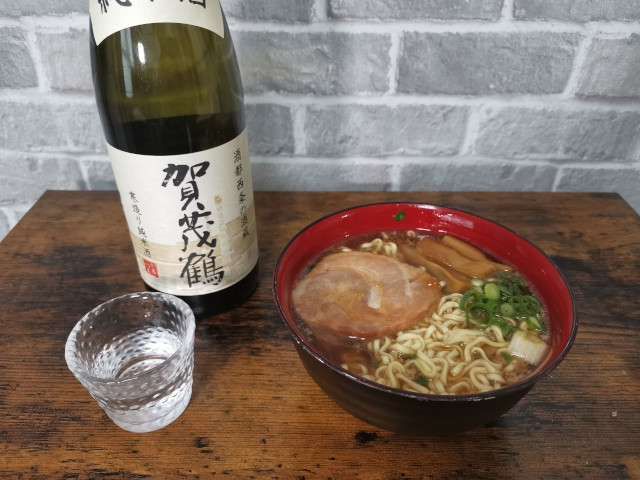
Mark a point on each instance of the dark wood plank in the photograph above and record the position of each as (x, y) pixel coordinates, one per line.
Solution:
(255, 413)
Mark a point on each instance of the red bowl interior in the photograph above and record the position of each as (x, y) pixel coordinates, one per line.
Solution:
(496, 240)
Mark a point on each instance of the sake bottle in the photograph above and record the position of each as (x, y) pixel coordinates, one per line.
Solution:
(171, 103)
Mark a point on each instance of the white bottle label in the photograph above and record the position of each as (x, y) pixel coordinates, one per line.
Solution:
(191, 217)
(111, 16)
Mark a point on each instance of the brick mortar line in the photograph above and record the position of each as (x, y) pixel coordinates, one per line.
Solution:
(395, 177)
(471, 132)
(508, 9)
(6, 22)
(52, 23)
(540, 102)
(404, 161)
(462, 158)
(55, 154)
(321, 10)
(579, 60)
(465, 156)
(536, 102)
(391, 160)
(401, 161)
(84, 172)
(299, 137)
(34, 53)
(394, 56)
(374, 25)
(37, 95)
(618, 28)
(636, 151)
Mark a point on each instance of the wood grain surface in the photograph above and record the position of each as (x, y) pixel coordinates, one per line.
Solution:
(254, 411)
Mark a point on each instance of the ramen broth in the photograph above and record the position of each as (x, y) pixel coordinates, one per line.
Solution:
(477, 334)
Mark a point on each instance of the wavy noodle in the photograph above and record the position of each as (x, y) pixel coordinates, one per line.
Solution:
(419, 359)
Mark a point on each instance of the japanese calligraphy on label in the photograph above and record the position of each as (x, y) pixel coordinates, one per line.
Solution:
(191, 217)
(111, 16)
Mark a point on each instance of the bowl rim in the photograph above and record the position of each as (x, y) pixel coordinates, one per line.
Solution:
(524, 384)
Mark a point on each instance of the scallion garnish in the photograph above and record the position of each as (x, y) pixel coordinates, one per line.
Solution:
(507, 296)
(533, 323)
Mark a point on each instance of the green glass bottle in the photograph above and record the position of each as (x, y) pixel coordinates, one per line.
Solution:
(171, 103)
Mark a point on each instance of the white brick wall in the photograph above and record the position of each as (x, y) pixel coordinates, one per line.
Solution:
(524, 95)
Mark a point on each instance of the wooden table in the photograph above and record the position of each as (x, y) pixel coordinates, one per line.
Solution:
(255, 413)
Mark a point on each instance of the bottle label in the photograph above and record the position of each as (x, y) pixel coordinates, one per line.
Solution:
(111, 16)
(191, 217)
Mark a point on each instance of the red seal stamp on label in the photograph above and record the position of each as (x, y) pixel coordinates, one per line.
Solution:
(151, 268)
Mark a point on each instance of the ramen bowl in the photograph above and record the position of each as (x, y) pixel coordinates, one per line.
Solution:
(403, 411)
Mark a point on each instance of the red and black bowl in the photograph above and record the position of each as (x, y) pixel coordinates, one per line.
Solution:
(398, 410)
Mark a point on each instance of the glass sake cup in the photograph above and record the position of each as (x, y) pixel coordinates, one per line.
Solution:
(134, 354)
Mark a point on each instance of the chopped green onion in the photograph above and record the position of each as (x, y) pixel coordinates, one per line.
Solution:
(507, 358)
(466, 301)
(506, 310)
(505, 296)
(492, 291)
(477, 282)
(532, 303)
(479, 313)
(422, 380)
(533, 323)
(507, 329)
(400, 215)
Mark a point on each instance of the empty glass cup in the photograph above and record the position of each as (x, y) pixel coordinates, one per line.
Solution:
(134, 354)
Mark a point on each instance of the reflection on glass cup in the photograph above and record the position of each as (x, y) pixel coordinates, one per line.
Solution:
(134, 354)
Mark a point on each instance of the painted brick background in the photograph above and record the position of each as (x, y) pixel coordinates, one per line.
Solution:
(520, 95)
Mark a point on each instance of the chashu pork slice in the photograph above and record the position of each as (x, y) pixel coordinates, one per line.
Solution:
(365, 295)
